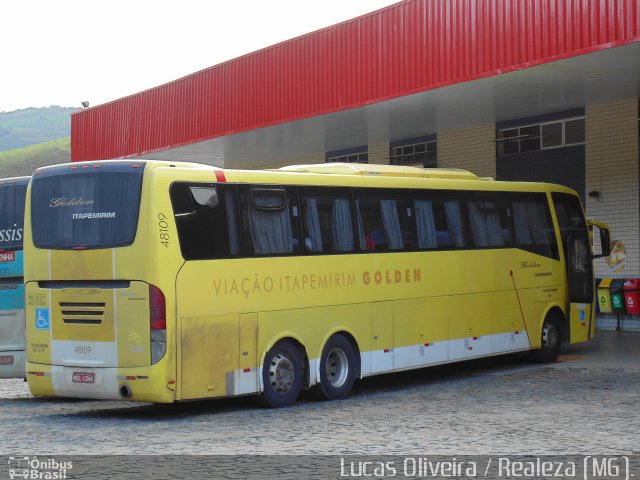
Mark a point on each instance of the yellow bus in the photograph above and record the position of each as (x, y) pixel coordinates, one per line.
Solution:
(161, 282)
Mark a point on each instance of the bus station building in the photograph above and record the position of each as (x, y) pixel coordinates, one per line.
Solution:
(533, 90)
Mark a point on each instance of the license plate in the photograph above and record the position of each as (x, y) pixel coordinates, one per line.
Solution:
(83, 377)
(6, 359)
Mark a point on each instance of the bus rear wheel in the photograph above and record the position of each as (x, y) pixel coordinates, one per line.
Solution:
(281, 375)
(338, 369)
(550, 342)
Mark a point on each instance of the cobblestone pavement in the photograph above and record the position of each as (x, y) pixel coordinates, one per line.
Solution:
(587, 403)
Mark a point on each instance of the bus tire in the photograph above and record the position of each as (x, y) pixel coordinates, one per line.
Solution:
(550, 342)
(281, 375)
(338, 369)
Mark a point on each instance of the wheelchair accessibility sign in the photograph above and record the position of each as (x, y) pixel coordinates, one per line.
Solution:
(43, 321)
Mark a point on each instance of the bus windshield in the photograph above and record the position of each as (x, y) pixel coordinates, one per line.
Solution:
(88, 208)
(11, 216)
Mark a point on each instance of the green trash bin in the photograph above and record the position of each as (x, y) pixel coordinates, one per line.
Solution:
(617, 295)
(603, 288)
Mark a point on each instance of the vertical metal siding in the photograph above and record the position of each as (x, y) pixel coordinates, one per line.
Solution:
(411, 46)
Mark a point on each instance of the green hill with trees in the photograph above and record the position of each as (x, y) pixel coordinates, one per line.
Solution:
(24, 161)
(30, 126)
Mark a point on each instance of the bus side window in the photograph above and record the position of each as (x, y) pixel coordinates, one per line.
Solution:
(326, 220)
(532, 224)
(485, 220)
(270, 220)
(384, 222)
(205, 220)
(439, 220)
(505, 213)
(427, 233)
(569, 214)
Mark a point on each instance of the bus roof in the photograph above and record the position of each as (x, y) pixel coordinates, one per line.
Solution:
(382, 170)
(339, 174)
(14, 181)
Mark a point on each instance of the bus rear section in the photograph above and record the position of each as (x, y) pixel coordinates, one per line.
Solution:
(12, 330)
(96, 325)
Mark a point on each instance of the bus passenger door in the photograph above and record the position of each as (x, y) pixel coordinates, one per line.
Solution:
(577, 252)
(579, 285)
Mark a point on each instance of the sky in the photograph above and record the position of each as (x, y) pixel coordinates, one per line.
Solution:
(63, 52)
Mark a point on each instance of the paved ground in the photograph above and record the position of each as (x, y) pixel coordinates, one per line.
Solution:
(587, 403)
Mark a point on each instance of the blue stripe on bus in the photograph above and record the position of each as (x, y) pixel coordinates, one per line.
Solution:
(14, 268)
(12, 296)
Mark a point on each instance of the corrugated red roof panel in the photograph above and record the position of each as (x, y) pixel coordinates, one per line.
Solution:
(411, 46)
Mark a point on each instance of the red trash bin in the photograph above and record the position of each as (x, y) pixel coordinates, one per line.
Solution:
(632, 295)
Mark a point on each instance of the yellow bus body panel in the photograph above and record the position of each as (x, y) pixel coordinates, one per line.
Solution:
(403, 310)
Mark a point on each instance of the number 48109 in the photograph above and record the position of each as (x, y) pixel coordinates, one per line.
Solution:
(163, 226)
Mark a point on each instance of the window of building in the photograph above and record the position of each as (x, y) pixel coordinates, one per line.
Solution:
(541, 136)
(422, 154)
(358, 157)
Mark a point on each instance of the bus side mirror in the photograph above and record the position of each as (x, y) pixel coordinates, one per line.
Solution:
(605, 238)
(605, 243)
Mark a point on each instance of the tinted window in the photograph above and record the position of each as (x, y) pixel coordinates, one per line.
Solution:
(270, 220)
(575, 242)
(579, 269)
(327, 222)
(569, 211)
(485, 221)
(510, 141)
(574, 131)
(439, 220)
(530, 138)
(12, 199)
(383, 221)
(533, 228)
(569, 214)
(206, 220)
(96, 207)
(552, 135)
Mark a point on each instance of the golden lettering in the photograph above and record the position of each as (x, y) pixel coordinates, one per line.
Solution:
(417, 275)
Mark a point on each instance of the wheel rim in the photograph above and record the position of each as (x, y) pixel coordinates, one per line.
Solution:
(281, 373)
(549, 336)
(337, 368)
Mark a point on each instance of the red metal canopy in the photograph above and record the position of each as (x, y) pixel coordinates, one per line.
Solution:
(409, 47)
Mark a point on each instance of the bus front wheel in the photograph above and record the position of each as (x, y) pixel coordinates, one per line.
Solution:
(338, 366)
(281, 375)
(550, 342)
